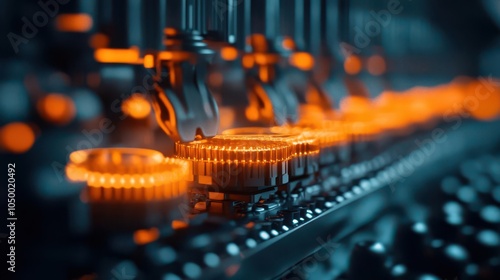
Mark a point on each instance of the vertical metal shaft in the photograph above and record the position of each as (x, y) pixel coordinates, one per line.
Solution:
(174, 18)
(134, 33)
(287, 19)
(314, 26)
(272, 18)
(154, 15)
(200, 16)
(232, 20)
(332, 20)
(247, 23)
(183, 14)
(299, 24)
(345, 32)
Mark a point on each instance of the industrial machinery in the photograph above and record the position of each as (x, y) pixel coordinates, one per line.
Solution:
(250, 139)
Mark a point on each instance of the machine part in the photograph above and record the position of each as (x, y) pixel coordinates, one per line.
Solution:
(183, 105)
(127, 174)
(269, 97)
(305, 150)
(129, 188)
(237, 164)
(332, 137)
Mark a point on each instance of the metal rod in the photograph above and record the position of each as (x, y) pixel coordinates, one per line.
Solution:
(272, 18)
(332, 21)
(232, 20)
(299, 24)
(247, 22)
(183, 14)
(315, 26)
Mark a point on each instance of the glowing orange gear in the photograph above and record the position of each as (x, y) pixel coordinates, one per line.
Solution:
(331, 136)
(305, 151)
(128, 174)
(238, 163)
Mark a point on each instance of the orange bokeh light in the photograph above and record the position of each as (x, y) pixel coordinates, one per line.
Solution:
(149, 61)
(352, 65)
(57, 108)
(483, 100)
(248, 61)
(145, 236)
(258, 42)
(17, 137)
(170, 31)
(129, 56)
(178, 224)
(99, 40)
(376, 65)
(355, 105)
(229, 53)
(136, 106)
(302, 60)
(288, 44)
(74, 22)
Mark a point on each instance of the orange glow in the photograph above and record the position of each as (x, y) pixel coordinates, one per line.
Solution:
(266, 159)
(251, 113)
(56, 108)
(98, 41)
(483, 100)
(360, 118)
(352, 65)
(229, 53)
(145, 236)
(260, 106)
(305, 150)
(178, 224)
(328, 134)
(265, 59)
(250, 225)
(376, 65)
(74, 22)
(422, 104)
(354, 105)
(309, 112)
(264, 74)
(227, 117)
(129, 56)
(288, 44)
(17, 137)
(136, 106)
(215, 79)
(395, 111)
(166, 55)
(302, 60)
(149, 61)
(170, 31)
(248, 61)
(173, 55)
(258, 42)
(128, 174)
